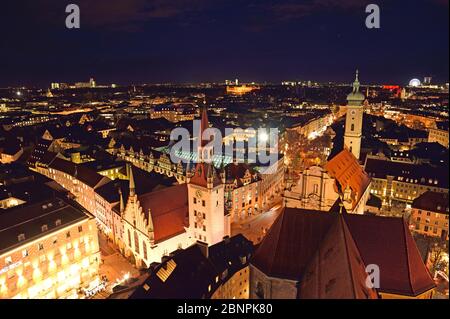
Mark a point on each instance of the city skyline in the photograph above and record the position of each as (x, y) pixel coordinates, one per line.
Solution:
(192, 42)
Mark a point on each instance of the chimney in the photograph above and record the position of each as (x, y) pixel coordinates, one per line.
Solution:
(204, 248)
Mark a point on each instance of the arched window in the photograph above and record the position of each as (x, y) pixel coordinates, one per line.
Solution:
(136, 242)
(316, 188)
(352, 127)
(144, 248)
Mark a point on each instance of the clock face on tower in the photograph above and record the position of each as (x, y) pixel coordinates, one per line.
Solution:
(198, 194)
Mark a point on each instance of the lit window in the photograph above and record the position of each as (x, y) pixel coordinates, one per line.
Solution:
(8, 260)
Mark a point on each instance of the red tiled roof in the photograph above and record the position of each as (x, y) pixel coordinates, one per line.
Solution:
(83, 174)
(344, 167)
(200, 175)
(290, 250)
(291, 242)
(387, 242)
(169, 211)
(346, 279)
(432, 201)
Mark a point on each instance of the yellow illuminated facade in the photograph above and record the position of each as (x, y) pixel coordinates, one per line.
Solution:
(241, 90)
(236, 287)
(56, 265)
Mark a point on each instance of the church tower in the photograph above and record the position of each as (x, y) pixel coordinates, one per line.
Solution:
(207, 220)
(205, 152)
(354, 119)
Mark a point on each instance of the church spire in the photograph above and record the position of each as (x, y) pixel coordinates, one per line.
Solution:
(131, 177)
(204, 125)
(122, 204)
(356, 83)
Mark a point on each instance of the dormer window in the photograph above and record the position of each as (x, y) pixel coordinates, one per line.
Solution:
(44, 228)
(58, 222)
(21, 237)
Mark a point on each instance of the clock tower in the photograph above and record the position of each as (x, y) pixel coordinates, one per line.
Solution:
(207, 220)
(354, 119)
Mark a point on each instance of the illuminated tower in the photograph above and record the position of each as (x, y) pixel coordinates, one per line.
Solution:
(205, 151)
(354, 119)
(207, 220)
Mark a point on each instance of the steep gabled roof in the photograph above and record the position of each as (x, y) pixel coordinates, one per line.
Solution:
(200, 177)
(387, 242)
(301, 244)
(168, 209)
(185, 275)
(344, 167)
(291, 242)
(346, 278)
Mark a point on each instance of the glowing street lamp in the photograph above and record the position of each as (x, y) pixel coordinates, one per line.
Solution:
(263, 137)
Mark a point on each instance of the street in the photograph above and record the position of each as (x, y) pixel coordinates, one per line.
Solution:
(255, 227)
(114, 266)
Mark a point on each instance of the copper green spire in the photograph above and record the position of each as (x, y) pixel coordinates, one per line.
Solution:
(356, 83)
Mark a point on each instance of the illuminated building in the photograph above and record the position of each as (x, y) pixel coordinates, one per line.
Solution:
(154, 223)
(174, 113)
(341, 177)
(10, 153)
(310, 254)
(439, 134)
(241, 90)
(220, 271)
(77, 179)
(354, 119)
(314, 190)
(314, 127)
(429, 215)
(208, 221)
(48, 249)
(352, 181)
(158, 160)
(161, 221)
(242, 190)
(403, 181)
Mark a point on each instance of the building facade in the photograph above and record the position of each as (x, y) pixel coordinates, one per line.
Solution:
(395, 181)
(48, 250)
(429, 215)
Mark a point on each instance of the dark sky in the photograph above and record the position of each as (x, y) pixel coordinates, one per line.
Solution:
(155, 41)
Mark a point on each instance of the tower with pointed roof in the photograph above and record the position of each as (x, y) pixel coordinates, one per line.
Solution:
(354, 119)
(204, 150)
(207, 220)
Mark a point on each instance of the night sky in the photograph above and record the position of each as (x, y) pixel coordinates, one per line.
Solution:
(155, 41)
